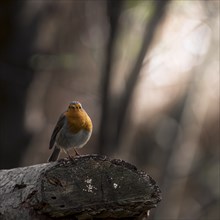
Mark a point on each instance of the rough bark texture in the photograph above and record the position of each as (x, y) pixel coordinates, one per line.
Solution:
(87, 187)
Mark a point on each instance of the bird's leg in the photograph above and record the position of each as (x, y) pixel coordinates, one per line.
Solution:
(77, 154)
(66, 151)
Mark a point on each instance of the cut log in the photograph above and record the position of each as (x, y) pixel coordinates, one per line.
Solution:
(86, 187)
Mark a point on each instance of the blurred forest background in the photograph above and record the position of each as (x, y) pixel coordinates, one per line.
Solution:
(147, 72)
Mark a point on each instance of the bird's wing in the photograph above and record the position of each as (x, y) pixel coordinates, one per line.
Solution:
(57, 128)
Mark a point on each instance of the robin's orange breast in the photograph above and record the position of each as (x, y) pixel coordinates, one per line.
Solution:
(78, 120)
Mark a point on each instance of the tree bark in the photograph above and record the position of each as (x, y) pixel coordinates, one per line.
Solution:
(86, 187)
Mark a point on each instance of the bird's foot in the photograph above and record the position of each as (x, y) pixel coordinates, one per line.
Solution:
(77, 154)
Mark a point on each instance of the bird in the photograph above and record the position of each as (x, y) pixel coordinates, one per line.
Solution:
(73, 130)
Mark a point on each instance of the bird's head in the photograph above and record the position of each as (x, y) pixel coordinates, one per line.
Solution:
(75, 106)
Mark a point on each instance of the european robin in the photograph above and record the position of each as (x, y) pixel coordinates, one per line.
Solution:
(72, 130)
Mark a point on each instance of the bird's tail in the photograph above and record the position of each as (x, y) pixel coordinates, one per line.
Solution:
(54, 156)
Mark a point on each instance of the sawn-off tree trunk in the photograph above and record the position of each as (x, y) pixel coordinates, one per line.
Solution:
(86, 187)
